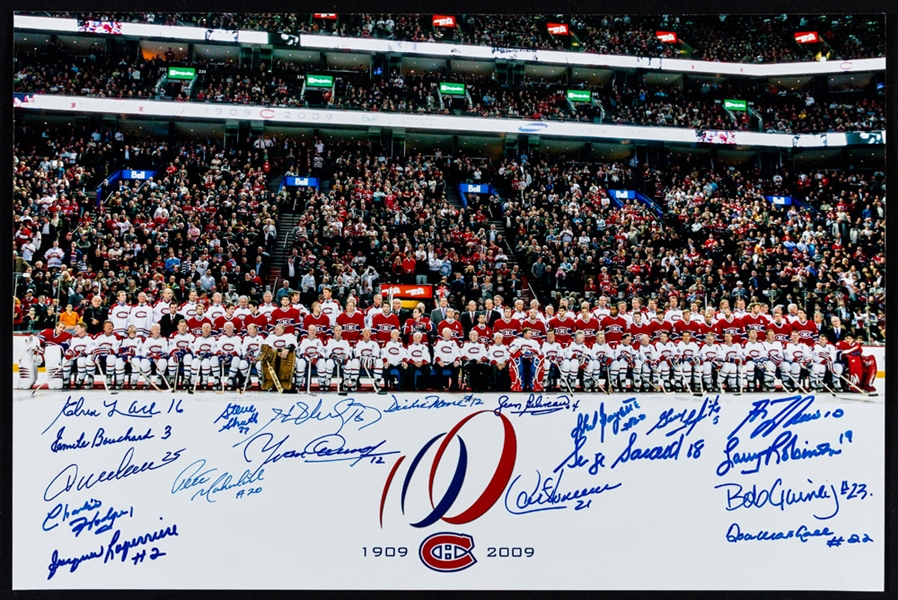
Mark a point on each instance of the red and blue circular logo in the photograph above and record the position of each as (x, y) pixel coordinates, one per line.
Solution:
(447, 552)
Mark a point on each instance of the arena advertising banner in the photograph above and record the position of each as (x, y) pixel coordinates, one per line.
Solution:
(143, 30)
(240, 112)
(410, 295)
(447, 491)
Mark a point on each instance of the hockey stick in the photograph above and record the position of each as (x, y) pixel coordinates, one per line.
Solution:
(683, 377)
(309, 377)
(149, 378)
(701, 383)
(377, 388)
(341, 391)
(796, 381)
(105, 383)
(855, 386)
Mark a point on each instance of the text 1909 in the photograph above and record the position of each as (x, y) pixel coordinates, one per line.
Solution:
(385, 551)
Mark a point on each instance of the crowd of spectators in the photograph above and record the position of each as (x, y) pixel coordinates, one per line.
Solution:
(207, 221)
(93, 73)
(731, 38)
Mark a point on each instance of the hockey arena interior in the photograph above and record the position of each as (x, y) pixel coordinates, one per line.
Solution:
(336, 203)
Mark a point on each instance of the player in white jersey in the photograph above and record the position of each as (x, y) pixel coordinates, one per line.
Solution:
(76, 355)
(160, 309)
(646, 361)
(446, 361)
(188, 309)
(119, 314)
(227, 351)
(142, 316)
(395, 355)
(311, 355)
(127, 351)
(476, 363)
(688, 361)
(602, 309)
(152, 354)
(365, 356)
(578, 357)
(526, 367)
(104, 352)
(711, 362)
(626, 366)
(267, 305)
(798, 356)
(372, 310)
(203, 357)
(243, 310)
(180, 352)
(250, 347)
(553, 357)
(330, 308)
(663, 356)
(775, 361)
(216, 309)
(339, 351)
(732, 358)
(418, 363)
(826, 365)
(605, 359)
(499, 357)
(755, 354)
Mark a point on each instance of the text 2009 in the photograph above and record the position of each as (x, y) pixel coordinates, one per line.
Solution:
(513, 552)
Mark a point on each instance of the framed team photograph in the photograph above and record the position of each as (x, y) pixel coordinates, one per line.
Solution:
(448, 301)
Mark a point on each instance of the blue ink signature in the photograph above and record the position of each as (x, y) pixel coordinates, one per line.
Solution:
(73, 408)
(121, 549)
(669, 452)
(687, 418)
(585, 424)
(74, 562)
(783, 448)
(734, 534)
(537, 404)
(100, 439)
(68, 478)
(795, 412)
(139, 411)
(347, 411)
(194, 475)
(778, 497)
(327, 448)
(232, 412)
(615, 418)
(545, 495)
(433, 401)
(62, 509)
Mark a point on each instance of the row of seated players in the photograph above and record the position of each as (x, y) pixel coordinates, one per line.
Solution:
(226, 360)
(382, 319)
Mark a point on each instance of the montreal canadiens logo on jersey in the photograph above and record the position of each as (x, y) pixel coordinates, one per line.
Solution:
(447, 552)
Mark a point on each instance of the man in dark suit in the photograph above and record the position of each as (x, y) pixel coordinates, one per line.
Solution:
(168, 324)
(439, 313)
(836, 332)
(469, 318)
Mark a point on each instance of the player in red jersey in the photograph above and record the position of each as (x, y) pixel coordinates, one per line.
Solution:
(535, 323)
(255, 317)
(484, 332)
(453, 325)
(730, 324)
(55, 336)
(352, 321)
(195, 323)
(659, 324)
(563, 326)
(639, 327)
(284, 315)
(782, 329)
(807, 330)
(860, 370)
(227, 317)
(755, 321)
(321, 321)
(588, 324)
(687, 323)
(383, 324)
(508, 326)
(614, 325)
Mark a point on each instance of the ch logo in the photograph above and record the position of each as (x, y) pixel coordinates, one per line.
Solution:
(486, 500)
(447, 552)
